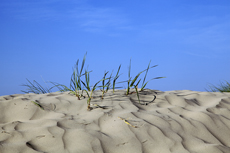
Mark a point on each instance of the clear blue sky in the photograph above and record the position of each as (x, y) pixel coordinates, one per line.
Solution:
(188, 39)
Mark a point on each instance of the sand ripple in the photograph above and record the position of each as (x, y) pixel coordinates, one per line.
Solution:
(180, 121)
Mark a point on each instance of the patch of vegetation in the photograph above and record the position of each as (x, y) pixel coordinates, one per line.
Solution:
(78, 86)
(223, 87)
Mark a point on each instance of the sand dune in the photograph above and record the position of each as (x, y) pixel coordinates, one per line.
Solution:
(180, 121)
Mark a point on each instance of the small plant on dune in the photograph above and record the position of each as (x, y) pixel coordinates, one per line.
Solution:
(75, 81)
(36, 88)
(108, 83)
(115, 79)
(89, 91)
(105, 86)
(144, 84)
(223, 87)
(132, 83)
(78, 86)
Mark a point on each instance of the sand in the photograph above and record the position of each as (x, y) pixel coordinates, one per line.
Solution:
(179, 121)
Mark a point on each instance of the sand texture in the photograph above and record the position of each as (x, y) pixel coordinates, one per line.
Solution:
(180, 121)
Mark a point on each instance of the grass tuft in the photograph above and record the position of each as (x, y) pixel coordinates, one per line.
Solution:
(91, 90)
(132, 83)
(105, 86)
(75, 81)
(36, 88)
(223, 87)
(77, 85)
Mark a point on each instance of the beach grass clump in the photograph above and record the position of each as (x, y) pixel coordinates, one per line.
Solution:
(75, 81)
(35, 87)
(105, 84)
(78, 86)
(89, 91)
(223, 87)
(145, 83)
(111, 82)
(134, 83)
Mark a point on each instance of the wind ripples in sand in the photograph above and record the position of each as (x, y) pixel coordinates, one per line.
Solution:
(171, 122)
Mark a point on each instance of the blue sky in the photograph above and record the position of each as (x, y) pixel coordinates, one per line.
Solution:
(42, 39)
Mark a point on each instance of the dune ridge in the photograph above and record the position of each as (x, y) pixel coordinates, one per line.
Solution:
(180, 121)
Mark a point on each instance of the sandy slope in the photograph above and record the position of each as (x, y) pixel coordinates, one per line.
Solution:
(172, 122)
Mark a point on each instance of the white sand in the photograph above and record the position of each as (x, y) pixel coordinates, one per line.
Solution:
(175, 122)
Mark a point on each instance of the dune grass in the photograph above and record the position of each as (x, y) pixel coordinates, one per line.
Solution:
(111, 82)
(133, 83)
(105, 85)
(223, 87)
(89, 90)
(75, 81)
(35, 87)
(78, 86)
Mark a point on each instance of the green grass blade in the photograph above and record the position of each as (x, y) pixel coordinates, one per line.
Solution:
(76, 68)
(222, 87)
(30, 87)
(59, 86)
(134, 80)
(138, 83)
(103, 81)
(108, 84)
(37, 104)
(137, 94)
(146, 73)
(129, 69)
(35, 87)
(87, 81)
(40, 88)
(88, 101)
(116, 77)
(95, 85)
(85, 85)
(83, 63)
(75, 83)
(143, 86)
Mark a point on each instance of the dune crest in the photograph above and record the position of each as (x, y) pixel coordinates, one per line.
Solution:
(180, 121)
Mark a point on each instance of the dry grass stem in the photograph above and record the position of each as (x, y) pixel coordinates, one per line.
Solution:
(126, 121)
